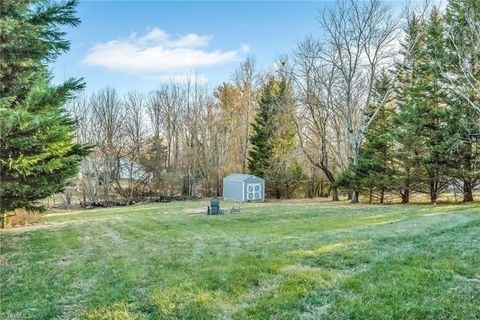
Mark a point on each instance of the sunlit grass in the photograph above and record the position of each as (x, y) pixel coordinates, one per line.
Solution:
(274, 261)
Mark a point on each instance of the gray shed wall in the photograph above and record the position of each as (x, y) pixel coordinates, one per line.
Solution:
(232, 190)
(254, 180)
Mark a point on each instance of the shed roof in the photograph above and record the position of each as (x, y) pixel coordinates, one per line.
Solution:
(239, 176)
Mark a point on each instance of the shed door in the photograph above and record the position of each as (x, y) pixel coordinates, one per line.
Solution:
(254, 191)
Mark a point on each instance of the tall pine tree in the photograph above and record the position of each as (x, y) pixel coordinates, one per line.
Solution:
(375, 174)
(408, 149)
(285, 171)
(460, 69)
(273, 140)
(433, 109)
(38, 155)
(261, 140)
(422, 115)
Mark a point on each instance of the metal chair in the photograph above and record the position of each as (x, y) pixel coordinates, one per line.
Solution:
(236, 208)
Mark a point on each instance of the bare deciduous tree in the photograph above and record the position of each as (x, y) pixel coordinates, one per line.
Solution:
(359, 41)
(246, 80)
(315, 88)
(107, 118)
(135, 133)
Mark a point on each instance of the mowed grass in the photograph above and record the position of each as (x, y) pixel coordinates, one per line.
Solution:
(274, 261)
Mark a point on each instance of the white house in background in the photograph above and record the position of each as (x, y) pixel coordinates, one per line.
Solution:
(127, 168)
(96, 165)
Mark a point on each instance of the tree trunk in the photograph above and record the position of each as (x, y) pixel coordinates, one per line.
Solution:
(405, 196)
(354, 197)
(467, 191)
(433, 197)
(382, 195)
(434, 190)
(331, 179)
(335, 193)
(355, 163)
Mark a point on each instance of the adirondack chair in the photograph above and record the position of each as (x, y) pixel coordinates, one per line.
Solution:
(214, 207)
(236, 208)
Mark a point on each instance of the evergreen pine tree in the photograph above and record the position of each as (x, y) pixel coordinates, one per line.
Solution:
(38, 154)
(285, 170)
(374, 173)
(462, 64)
(273, 140)
(261, 140)
(422, 113)
(433, 111)
(408, 149)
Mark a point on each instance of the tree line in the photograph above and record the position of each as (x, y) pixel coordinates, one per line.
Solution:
(184, 138)
(425, 133)
(379, 104)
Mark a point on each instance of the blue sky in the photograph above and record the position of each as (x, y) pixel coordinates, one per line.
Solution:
(136, 45)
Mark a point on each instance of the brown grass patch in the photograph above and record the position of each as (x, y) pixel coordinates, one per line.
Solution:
(21, 217)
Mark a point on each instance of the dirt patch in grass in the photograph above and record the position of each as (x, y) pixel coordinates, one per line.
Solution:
(200, 210)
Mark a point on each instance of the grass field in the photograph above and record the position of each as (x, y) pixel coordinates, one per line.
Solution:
(274, 261)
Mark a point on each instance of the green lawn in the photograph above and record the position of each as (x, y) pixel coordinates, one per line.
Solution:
(274, 261)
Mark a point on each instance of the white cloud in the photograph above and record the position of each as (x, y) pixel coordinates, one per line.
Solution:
(245, 47)
(156, 35)
(158, 53)
(183, 78)
(191, 40)
(161, 38)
